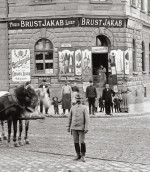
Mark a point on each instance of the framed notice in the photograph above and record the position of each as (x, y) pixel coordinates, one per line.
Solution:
(78, 62)
(20, 65)
(86, 62)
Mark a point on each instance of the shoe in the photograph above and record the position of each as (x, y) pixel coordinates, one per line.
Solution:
(77, 158)
(83, 159)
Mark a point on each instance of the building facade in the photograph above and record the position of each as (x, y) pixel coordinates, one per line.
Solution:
(58, 40)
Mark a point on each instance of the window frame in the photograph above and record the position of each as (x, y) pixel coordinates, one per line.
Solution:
(48, 61)
(134, 51)
(100, 1)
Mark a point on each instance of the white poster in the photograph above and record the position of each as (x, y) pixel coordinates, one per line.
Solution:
(78, 64)
(21, 65)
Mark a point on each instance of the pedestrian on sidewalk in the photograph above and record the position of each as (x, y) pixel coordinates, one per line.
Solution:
(55, 103)
(66, 93)
(101, 104)
(91, 95)
(107, 98)
(124, 107)
(78, 122)
(46, 93)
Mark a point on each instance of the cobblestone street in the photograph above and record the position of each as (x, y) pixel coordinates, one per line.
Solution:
(113, 145)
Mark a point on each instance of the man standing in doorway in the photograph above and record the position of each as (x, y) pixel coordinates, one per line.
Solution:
(91, 94)
(107, 98)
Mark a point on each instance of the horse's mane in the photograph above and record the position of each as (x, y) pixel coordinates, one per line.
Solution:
(20, 94)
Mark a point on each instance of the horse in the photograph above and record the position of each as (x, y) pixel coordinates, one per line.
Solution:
(14, 106)
(42, 97)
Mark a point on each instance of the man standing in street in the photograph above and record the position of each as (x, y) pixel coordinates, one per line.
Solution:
(107, 98)
(78, 121)
(91, 94)
(66, 93)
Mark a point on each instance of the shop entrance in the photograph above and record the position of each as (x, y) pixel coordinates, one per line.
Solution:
(100, 68)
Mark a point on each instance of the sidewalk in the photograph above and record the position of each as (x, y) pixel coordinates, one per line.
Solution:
(137, 109)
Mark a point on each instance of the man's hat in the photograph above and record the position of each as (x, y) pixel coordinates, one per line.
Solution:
(90, 80)
(78, 96)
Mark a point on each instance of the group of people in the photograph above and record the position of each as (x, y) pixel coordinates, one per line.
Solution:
(109, 100)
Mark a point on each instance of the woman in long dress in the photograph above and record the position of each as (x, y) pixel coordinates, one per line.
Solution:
(124, 105)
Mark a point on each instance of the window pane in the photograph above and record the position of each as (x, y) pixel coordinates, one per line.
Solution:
(49, 65)
(39, 56)
(48, 55)
(48, 45)
(39, 45)
(39, 67)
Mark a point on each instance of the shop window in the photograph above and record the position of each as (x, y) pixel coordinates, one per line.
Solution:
(134, 55)
(44, 56)
(143, 56)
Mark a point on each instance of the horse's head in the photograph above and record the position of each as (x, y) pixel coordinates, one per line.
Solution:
(26, 96)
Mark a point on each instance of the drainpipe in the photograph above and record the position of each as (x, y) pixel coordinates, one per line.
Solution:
(7, 51)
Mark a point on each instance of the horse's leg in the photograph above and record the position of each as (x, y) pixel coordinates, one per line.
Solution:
(20, 132)
(26, 132)
(15, 133)
(9, 123)
(3, 131)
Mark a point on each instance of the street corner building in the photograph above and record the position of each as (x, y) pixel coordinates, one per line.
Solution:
(71, 39)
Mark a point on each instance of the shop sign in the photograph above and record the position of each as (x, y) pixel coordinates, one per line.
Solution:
(65, 45)
(66, 22)
(101, 49)
(102, 22)
(21, 65)
(43, 23)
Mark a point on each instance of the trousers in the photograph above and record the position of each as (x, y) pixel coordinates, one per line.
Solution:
(78, 136)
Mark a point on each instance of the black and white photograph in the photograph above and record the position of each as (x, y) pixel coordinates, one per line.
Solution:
(74, 85)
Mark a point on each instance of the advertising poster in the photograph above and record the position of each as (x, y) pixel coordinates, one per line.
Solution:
(66, 62)
(86, 62)
(126, 61)
(21, 65)
(78, 62)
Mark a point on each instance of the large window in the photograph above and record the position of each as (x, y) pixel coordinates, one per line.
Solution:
(143, 56)
(134, 55)
(44, 56)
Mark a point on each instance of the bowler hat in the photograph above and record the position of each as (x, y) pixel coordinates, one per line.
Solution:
(78, 96)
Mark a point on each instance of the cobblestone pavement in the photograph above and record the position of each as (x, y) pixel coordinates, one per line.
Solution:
(113, 145)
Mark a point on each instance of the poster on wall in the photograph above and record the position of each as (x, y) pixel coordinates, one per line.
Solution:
(86, 62)
(20, 65)
(66, 63)
(78, 62)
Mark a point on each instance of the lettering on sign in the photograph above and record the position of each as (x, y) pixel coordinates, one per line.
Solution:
(66, 22)
(102, 22)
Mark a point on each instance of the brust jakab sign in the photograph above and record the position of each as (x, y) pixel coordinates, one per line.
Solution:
(66, 22)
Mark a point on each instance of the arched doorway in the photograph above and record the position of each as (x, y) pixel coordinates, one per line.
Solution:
(100, 60)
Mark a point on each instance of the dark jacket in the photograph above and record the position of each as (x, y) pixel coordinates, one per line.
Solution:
(107, 95)
(91, 92)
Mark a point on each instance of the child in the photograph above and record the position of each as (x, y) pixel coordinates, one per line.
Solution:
(55, 104)
(101, 104)
(117, 103)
